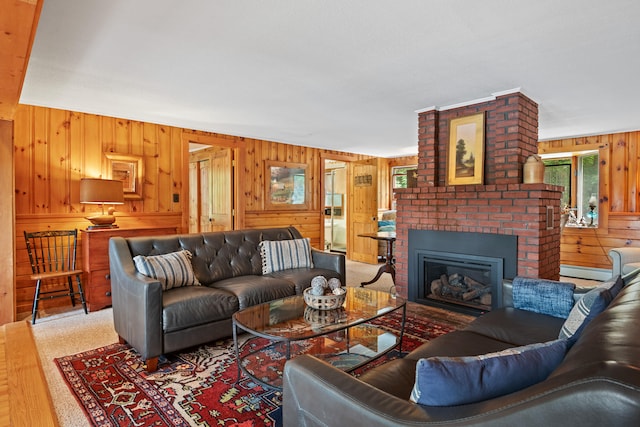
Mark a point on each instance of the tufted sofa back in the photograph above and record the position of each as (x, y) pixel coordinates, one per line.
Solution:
(216, 255)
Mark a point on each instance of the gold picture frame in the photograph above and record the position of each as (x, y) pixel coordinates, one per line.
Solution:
(130, 170)
(465, 163)
(286, 185)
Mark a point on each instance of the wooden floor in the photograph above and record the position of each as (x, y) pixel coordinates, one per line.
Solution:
(24, 395)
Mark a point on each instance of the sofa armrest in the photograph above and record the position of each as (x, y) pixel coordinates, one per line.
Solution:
(136, 301)
(316, 393)
(330, 261)
(621, 256)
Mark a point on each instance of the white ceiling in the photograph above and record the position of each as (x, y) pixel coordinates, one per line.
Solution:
(346, 75)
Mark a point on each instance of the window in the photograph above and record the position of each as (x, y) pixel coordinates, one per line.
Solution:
(558, 172)
(403, 176)
(578, 174)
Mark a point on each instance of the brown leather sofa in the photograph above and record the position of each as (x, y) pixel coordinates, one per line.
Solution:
(596, 384)
(228, 265)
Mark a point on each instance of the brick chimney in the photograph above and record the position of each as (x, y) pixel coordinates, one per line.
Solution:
(502, 204)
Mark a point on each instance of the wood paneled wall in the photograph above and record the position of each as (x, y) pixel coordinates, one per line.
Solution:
(619, 199)
(54, 149)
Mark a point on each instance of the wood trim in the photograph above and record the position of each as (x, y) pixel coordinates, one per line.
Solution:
(7, 214)
(604, 189)
(19, 21)
(546, 147)
(30, 403)
(237, 146)
(339, 157)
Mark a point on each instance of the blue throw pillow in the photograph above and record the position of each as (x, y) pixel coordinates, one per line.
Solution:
(543, 296)
(447, 381)
(387, 225)
(589, 306)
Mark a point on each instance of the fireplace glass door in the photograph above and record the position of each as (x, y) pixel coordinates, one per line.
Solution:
(466, 282)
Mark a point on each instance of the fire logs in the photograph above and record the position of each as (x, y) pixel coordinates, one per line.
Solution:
(461, 288)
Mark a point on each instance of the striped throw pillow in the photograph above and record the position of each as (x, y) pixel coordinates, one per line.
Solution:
(280, 255)
(172, 270)
(587, 308)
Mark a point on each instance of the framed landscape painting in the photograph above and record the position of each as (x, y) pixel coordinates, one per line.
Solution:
(465, 163)
(286, 185)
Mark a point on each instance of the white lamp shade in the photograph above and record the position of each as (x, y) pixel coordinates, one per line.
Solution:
(100, 191)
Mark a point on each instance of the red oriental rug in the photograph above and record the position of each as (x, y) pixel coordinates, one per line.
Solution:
(193, 388)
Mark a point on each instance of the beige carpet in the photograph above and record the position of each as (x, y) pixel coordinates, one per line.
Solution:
(72, 332)
(358, 272)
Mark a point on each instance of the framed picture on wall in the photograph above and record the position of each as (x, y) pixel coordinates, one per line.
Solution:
(286, 185)
(465, 162)
(129, 170)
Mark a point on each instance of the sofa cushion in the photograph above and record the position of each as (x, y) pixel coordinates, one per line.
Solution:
(395, 377)
(447, 381)
(301, 277)
(459, 344)
(191, 306)
(253, 290)
(172, 270)
(285, 254)
(543, 296)
(524, 327)
(589, 306)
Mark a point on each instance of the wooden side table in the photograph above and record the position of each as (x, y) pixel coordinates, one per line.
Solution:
(95, 260)
(389, 264)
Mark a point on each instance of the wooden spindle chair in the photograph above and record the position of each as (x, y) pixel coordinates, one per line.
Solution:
(52, 255)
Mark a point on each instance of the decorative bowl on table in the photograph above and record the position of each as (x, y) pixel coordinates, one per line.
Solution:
(329, 301)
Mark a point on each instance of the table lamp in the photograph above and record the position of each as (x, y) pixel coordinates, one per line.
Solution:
(100, 192)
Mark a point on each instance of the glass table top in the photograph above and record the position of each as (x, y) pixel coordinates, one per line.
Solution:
(291, 319)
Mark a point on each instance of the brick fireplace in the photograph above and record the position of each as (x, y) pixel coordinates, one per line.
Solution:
(502, 205)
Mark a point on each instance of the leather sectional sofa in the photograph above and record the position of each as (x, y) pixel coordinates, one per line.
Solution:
(229, 268)
(597, 382)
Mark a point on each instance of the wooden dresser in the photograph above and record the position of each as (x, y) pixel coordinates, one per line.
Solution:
(95, 261)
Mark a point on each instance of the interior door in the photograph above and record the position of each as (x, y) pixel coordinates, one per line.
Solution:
(205, 195)
(211, 190)
(222, 190)
(194, 198)
(363, 209)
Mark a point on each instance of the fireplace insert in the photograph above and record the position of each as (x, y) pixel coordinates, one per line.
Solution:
(469, 281)
(460, 271)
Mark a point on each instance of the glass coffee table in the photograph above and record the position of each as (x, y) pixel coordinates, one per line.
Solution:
(284, 328)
